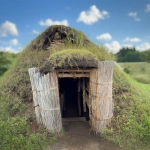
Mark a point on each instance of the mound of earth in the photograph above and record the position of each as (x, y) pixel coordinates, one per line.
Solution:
(60, 34)
(41, 52)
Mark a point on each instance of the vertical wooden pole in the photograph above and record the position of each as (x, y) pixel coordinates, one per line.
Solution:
(32, 72)
(84, 99)
(62, 102)
(93, 87)
(101, 91)
(79, 102)
(48, 100)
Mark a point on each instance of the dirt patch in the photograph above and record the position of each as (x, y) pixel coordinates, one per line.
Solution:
(34, 126)
(78, 137)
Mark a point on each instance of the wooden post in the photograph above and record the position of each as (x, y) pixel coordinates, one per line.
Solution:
(84, 98)
(79, 102)
(101, 95)
(93, 89)
(47, 94)
(32, 72)
(62, 102)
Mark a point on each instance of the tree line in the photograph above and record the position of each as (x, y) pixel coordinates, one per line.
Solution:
(132, 55)
(6, 59)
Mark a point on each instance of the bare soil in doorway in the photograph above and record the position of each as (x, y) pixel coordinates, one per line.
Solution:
(77, 137)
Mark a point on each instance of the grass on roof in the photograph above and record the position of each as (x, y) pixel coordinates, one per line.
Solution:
(77, 53)
(68, 55)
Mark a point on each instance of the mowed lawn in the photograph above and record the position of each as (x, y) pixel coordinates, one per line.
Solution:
(139, 71)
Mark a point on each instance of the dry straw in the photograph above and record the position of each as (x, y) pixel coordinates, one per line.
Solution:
(46, 99)
(101, 95)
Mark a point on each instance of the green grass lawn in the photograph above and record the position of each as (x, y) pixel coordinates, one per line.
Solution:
(139, 71)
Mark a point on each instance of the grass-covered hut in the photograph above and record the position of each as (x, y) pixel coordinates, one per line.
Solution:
(66, 58)
(72, 82)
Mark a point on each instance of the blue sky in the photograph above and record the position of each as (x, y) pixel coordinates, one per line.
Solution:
(112, 23)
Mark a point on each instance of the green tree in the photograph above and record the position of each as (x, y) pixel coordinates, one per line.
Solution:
(145, 56)
(3, 63)
(128, 55)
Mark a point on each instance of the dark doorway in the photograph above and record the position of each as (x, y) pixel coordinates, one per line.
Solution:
(69, 95)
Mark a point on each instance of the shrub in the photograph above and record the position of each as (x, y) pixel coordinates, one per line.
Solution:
(127, 70)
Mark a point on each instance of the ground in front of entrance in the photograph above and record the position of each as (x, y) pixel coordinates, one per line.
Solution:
(77, 137)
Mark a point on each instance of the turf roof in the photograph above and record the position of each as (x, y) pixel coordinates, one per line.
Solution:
(70, 58)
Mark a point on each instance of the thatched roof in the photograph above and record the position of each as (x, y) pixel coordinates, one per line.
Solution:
(58, 33)
(68, 48)
(58, 36)
(70, 58)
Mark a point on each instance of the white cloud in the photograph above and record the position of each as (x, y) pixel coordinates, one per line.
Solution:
(127, 45)
(35, 32)
(14, 42)
(113, 47)
(11, 42)
(8, 49)
(147, 8)
(104, 37)
(49, 22)
(143, 46)
(8, 28)
(137, 19)
(135, 39)
(134, 15)
(91, 16)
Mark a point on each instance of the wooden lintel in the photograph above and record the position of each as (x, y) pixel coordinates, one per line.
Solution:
(72, 75)
(73, 70)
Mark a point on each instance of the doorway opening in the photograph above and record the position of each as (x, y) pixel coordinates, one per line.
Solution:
(74, 97)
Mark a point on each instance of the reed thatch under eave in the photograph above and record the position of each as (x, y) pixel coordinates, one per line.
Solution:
(70, 59)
